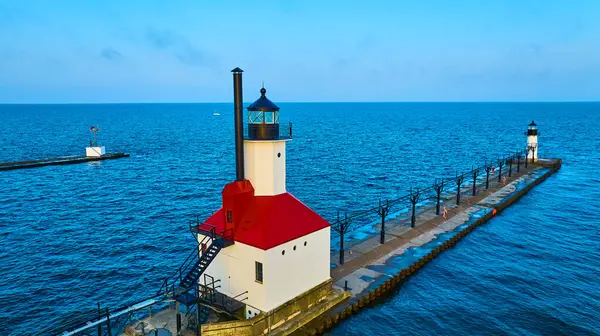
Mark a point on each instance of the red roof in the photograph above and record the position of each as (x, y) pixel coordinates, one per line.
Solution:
(270, 221)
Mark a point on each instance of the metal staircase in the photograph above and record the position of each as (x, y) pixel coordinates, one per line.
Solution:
(183, 282)
(182, 287)
(201, 264)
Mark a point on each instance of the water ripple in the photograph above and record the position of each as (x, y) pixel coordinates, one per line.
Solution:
(109, 231)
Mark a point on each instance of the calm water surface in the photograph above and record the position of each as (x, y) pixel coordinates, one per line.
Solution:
(109, 231)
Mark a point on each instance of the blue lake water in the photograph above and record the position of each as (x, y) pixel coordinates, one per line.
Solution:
(109, 231)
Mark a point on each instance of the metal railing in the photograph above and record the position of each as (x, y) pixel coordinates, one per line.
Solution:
(285, 131)
(206, 229)
(106, 321)
(419, 198)
(209, 237)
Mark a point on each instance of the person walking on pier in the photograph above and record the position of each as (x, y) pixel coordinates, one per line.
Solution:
(444, 213)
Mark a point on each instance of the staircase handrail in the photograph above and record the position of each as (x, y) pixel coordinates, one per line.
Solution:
(190, 261)
(210, 230)
(210, 236)
(237, 296)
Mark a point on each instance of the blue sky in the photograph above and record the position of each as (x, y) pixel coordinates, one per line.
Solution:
(183, 51)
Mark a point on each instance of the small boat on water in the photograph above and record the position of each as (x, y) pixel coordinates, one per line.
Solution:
(216, 113)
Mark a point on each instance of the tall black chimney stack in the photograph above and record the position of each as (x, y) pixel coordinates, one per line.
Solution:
(238, 106)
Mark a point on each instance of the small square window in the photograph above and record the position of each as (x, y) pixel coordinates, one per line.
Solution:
(259, 271)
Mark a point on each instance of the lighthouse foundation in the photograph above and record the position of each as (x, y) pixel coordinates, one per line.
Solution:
(286, 318)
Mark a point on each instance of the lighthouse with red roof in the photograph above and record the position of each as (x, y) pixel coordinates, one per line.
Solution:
(278, 248)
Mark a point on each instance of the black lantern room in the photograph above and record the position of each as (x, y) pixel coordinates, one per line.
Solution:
(263, 119)
(532, 129)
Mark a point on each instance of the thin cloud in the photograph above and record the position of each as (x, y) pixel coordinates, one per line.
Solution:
(110, 54)
(178, 44)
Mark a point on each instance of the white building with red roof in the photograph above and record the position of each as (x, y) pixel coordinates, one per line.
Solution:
(279, 248)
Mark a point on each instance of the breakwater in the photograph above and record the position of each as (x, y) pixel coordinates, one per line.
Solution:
(373, 274)
(62, 160)
(376, 264)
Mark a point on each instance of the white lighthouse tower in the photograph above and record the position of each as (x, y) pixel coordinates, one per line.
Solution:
(532, 140)
(264, 148)
(277, 248)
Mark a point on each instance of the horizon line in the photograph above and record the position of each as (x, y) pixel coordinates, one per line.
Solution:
(322, 102)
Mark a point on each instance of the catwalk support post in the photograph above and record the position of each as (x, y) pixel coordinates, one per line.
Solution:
(488, 170)
(414, 199)
(459, 181)
(341, 227)
(475, 173)
(383, 211)
(501, 162)
(438, 186)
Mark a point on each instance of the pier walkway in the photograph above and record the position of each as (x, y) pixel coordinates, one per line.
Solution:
(371, 268)
(398, 232)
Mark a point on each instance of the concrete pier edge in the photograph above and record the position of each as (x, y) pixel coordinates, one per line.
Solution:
(57, 161)
(353, 305)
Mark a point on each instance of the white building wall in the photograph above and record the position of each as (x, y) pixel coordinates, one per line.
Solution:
(264, 164)
(95, 151)
(285, 276)
(533, 141)
(293, 273)
(235, 267)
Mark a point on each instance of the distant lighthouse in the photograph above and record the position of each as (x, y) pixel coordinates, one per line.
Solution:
(94, 150)
(532, 140)
(278, 247)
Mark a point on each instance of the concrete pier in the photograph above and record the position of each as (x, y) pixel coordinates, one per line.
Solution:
(162, 321)
(373, 269)
(59, 161)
